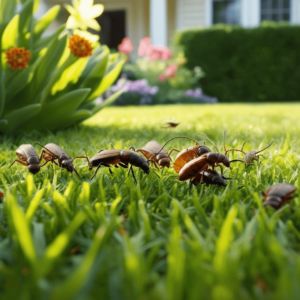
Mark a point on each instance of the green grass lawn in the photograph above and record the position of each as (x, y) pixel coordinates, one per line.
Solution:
(61, 238)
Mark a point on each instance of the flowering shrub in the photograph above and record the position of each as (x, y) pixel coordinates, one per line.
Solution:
(52, 82)
(134, 91)
(198, 95)
(163, 69)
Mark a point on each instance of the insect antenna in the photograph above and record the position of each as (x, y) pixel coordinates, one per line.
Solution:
(86, 156)
(156, 174)
(237, 160)
(210, 141)
(77, 174)
(264, 148)
(243, 145)
(177, 137)
(224, 134)
(226, 151)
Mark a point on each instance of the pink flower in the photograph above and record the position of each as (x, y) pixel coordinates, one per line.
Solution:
(166, 53)
(154, 53)
(171, 71)
(145, 43)
(125, 46)
(159, 52)
(162, 77)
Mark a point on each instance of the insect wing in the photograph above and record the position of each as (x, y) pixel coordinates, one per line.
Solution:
(154, 147)
(106, 156)
(193, 167)
(281, 190)
(25, 151)
(55, 149)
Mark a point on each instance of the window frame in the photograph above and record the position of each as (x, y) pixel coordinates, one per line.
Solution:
(269, 11)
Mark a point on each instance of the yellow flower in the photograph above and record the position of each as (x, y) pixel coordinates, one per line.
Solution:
(80, 46)
(17, 58)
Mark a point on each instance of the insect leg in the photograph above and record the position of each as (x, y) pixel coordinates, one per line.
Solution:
(42, 155)
(108, 166)
(19, 161)
(112, 146)
(130, 169)
(218, 165)
(47, 162)
(96, 170)
(133, 149)
(116, 166)
(123, 166)
(155, 164)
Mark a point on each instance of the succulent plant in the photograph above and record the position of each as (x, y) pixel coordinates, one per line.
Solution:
(51, 82)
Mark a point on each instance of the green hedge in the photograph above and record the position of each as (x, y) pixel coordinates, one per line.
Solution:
(242, 64)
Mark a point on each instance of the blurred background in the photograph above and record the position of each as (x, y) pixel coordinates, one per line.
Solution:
(224, 50)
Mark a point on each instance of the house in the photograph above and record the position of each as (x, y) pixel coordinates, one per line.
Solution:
(159, 19)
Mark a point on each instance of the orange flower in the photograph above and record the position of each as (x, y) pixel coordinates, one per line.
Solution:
(80, 46)
(17, 58)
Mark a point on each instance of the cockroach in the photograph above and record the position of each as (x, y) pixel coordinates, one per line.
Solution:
(171, 124)
(189, 154)
(51, 152)
(185, 155)
(29, 157)
(200, 164)
(121, 158)
(251, 156)
(210, 177)
(279, 194)
(161, 157)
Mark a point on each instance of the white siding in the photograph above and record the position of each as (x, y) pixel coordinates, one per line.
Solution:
(190, 13)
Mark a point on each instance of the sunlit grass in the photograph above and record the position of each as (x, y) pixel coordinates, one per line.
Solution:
(61, 238)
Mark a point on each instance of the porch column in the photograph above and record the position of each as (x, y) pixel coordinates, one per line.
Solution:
(208, 13)
(158, 22)
(250, 13)
(295, 12)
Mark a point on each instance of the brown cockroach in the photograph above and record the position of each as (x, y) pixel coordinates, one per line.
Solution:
(51, 152)
(29, 157)
(161, 157)
(121, 158)
(185, 155)
(210, 177)
(200, 164)
(171, 124)
(189, 154)
(251, 156)
(279, 194)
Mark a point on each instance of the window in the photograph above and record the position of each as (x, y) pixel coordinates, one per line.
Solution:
(276, 10)
(227, 11)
